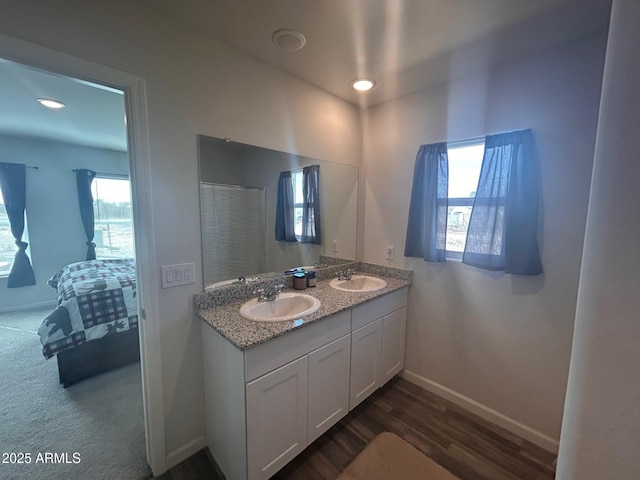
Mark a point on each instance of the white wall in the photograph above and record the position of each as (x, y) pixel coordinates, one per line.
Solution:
(486, 339)
(601, 428)
(56, 236)
(194, 85)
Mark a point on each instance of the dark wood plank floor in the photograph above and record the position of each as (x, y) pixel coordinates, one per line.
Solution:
(466, 445)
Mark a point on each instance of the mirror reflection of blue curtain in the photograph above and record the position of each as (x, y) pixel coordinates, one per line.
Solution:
(311, 206)
(503, 229)
(84, 178)
(285, 217)
(427, 225)
(13, 184)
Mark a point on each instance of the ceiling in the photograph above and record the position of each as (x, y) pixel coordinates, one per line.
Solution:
(405, 45)
(94, 116)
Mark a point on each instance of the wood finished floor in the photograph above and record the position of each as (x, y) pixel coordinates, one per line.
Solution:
(466, 445)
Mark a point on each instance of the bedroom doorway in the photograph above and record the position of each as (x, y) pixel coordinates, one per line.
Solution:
(118, 413)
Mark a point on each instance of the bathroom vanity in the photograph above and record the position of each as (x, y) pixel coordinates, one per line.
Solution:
(273, 388)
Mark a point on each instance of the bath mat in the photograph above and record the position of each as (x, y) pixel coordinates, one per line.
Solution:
(388, 457)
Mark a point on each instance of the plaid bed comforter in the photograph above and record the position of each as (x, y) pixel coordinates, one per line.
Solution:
(96, 298)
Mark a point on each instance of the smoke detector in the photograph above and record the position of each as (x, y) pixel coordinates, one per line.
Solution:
(289, 40)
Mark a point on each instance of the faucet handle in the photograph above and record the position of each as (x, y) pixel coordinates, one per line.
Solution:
(346, 274)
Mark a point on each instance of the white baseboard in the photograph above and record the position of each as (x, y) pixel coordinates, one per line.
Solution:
(184, 452)
(487, 413)
(31, 306)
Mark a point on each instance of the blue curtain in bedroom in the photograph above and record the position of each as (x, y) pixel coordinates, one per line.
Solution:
(84, 179)
(285, 230)
(13, 184)
(311, 207)
(503, 228)
(427, 225)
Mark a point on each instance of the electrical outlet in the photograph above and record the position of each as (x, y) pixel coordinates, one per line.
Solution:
(334, 247)
(188, 273)
(176, 275)
(389, 252)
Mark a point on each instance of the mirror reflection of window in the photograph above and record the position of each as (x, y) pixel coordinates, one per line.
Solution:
(298, 201)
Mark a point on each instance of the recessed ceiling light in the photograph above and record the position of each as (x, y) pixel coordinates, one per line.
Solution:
(289, 40)
(363, 84)
(49, 103)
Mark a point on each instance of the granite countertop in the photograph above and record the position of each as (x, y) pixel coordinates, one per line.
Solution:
(244, 334)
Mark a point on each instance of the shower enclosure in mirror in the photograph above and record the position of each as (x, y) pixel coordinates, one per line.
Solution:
(239, 210)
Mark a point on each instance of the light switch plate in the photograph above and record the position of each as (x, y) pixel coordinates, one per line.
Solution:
(389, 252)
(176, 275)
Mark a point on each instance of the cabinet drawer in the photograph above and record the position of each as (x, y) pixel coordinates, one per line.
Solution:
(377, 308)
(263, 358)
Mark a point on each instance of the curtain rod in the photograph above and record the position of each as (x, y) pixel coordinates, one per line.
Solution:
(102, 174)
(481, 138)
(231, 185)
(467, 140)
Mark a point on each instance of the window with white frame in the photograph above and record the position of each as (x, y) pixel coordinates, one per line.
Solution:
(297, 178)
(465, 161)
(113, 217)
(7, 242)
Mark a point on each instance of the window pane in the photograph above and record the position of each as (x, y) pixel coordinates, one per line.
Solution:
(298, 200)
(464, 172)
(7, 242)
(297, 227)
(113, 218)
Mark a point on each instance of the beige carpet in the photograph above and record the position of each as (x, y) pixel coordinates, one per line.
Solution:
(388, 457)
(100, 418)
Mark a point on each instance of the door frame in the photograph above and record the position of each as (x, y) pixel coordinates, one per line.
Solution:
(134, 87)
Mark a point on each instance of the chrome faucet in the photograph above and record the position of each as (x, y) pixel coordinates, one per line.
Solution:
(269, 294)
(346, 274)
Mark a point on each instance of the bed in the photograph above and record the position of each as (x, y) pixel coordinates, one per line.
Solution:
(94, 327)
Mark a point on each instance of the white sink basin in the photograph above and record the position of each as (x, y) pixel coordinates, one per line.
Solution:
(359, 283)
(287, 306)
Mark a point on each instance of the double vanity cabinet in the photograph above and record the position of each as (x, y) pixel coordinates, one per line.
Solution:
(266, 403)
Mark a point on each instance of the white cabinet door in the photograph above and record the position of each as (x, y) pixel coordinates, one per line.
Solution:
(393, 340)
(276, 418)
(328, 386)
(365, 362)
